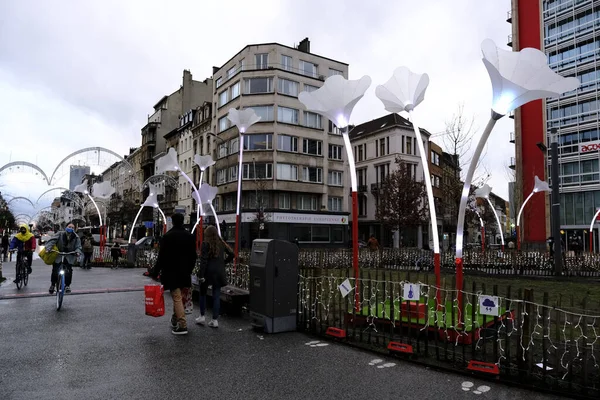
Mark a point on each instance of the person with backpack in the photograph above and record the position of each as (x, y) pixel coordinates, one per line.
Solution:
(66, 242)
(88, 250)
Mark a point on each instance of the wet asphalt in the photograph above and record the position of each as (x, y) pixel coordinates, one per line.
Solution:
(101, 345)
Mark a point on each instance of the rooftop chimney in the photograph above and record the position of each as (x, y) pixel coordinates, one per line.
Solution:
(304, 46)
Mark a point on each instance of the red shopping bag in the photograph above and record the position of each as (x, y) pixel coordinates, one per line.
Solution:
(155, 300)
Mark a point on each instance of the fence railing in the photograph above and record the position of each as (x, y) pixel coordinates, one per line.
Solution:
(533, 344)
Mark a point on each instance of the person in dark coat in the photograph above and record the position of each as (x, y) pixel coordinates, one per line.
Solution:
(214, 255)
(176, 261)
(5, 244)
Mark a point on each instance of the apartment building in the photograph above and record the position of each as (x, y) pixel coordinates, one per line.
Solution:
(294, 171)
(376, 145)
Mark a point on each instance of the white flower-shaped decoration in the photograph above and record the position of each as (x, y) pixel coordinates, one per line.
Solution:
(168, 162)
(520, 77)
(483, 192)
(103, 190)
(243, 119)
(82, 188)
(403, 91)
(203, 162)
(152, 199)
(336, 99)
(207, 193)
(540, 185)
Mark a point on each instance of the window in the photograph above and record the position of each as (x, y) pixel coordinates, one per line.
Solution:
(287, 115)
(335, 178)
(287, 143)
(312, 174)
(234, 146)
(284, 201)
(221, 176)
(361, 176)
(334, 130)
(382, 172)
(222, 150)
(219, 82)
(286, 63)
(408, 145)
(360, 152)
(308, 68)
(362, 206)
(307, 202)
(235, 90)
(435, 158)
(222, 98)
(223, 124)
(288, 87)
(232, 173)
(230, 72)
(310, 146)
(262, 61)
(264, 112)
(335, 72)
(259, 85)
(334, 204)
(287, 172)
(310, 88)
(382, 147)
(312, 120)
(258, 171)
(335, 152)
(258, 142)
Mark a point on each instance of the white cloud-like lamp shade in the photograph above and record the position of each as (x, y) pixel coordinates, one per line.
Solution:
(82, 188)
(152, 199)
(243, 119)
(483, 192)
(207, 193)
(403, 91)
(168, 162)
(203, 162)
(336, 99)
(103, 190)
(540, 185)
(520, 77)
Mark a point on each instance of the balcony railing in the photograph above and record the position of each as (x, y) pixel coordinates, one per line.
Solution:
(509, 41)
(375, 187)
(362, 188)
(511, 163)
(509, 16)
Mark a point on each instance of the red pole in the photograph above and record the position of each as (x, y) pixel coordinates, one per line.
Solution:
(518, 239)
(199, 233)
(355, 250)
(438, 279)
(483, 239)
(591, 235)
(237, 241)
(459, 287)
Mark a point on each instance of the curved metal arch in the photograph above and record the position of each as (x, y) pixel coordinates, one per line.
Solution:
(64, 189)
(20, 198)
(22, 215)
(26, 164)
(161, 178)
(85, 150)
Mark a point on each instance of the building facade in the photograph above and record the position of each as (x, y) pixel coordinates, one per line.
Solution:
(76, 174)
(376, 146)
(566, 31)
(294, 171)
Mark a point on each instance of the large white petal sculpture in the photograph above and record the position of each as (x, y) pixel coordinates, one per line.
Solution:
(168, 162)
(151, 201)
(484, 193)
(207, 194)
(403, 92)
(243, 119)
(103, 190)
(517, 78)
(203, 162)
(539, 186)
(335, 100)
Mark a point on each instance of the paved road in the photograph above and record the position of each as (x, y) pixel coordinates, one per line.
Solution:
(102, 346)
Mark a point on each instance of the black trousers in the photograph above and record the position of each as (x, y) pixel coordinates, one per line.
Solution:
(87, 257)
(68, 274)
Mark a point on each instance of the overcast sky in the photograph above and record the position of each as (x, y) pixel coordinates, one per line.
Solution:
(77, 74)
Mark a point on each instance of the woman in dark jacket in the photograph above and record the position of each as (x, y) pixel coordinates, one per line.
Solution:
(176, 261)
(212, 272)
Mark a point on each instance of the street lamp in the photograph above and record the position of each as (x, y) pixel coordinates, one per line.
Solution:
(335, 100)
(539, 186)
(484, 193)
(151, 201)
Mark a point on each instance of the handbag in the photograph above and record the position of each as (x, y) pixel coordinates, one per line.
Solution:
(48, 257)
(155, 300)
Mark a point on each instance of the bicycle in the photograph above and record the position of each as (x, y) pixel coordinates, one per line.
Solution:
(60, 282)
(21, 269)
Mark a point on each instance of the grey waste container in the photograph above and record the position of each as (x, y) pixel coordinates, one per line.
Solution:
(131, 254)
(273, 285)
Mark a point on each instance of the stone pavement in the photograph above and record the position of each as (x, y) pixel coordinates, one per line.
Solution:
(102, 346)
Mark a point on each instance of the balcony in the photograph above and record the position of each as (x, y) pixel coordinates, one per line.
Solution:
(512, 137)
(509, 41)
(375, 187)
(511, 163)
(362, 188)
(156, 117)
(509, 16)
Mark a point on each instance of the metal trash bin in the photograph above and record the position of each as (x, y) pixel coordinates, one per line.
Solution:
(273, 285)
(131, 254)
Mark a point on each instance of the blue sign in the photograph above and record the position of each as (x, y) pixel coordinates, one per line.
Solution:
(148, 224)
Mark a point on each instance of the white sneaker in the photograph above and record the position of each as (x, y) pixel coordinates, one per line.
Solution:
(214, 323)
(201, 320)
(188, 311)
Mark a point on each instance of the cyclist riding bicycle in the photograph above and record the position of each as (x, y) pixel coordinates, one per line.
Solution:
(66, 242)
(24, 242)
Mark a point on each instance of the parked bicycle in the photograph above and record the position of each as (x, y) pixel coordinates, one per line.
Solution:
(22, 277)
(60, 282)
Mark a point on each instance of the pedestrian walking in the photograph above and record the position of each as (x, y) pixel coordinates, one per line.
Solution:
(212, 272)
(115, 253)
(176, 260)
(88, 249)
(373, 244)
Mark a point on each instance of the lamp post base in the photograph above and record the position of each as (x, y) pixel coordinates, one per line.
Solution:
(459, 286)
(355, 250)
(237, 242)
(438, 279)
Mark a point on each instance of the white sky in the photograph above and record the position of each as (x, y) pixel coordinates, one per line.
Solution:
(77, 74)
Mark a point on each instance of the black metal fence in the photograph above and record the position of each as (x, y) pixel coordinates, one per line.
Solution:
(540, 344)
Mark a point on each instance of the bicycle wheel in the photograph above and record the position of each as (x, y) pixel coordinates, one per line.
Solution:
(24, 274)
(18, 280)
(60, 291)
